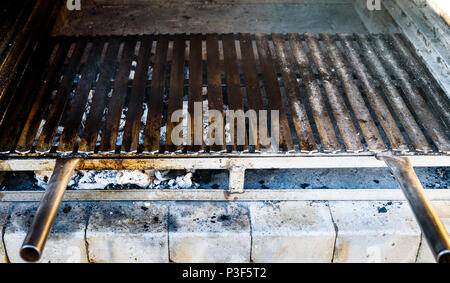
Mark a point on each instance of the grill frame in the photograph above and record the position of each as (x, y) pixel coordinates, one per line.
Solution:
(329, 118)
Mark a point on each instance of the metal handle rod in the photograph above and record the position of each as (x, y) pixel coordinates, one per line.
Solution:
(430, 223)
(34, 242)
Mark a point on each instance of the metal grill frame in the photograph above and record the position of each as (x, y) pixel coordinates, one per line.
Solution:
(317, 111)
(335, 91)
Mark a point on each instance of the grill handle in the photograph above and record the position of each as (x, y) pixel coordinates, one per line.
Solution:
(429, 222)
(34, 242)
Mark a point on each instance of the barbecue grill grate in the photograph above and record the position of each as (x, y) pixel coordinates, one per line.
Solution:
(335, 93)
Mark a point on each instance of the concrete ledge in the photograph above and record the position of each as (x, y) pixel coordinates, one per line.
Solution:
(209, 232)
(288, 231)
(66, 239)
(375, 232)
(128, 232)
(292, 232)
(443, 210)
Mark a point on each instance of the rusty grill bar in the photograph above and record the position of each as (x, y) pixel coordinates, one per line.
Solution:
(335, 93)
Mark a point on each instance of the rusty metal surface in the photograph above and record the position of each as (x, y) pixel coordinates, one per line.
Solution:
(214, 81)
(272, 90)
(34, 242)
(298, 109)
(200, 161)
(119, 93)
(431, 225)
(337, 95)
(317, 102)
(234, 94)
(154, 117)
(136, 99)
(362, 113)
(93, 121)
(195, 91)
(18, 42)
(176, 87)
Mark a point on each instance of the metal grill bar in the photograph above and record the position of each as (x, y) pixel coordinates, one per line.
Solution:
(93, 121)
(272, 88)
(215, 98)
(34, 26)
(409, 59)
(412, 94)
(176, 87)
(253, 90)
(28, 87)
(131, 130)
(154, 117)
(298, 110)
(344, 94)
(195, 92)
(321, 117)
(387, 121)
(42, 100)
(111, 129)
(365, 121)
(394, 97)
(62, 98)
(340, 110)
(235, 97)
(72, 125)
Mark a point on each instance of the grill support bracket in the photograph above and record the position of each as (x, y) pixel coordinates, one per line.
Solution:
(34, 242)
(237, 179)
(432, 227)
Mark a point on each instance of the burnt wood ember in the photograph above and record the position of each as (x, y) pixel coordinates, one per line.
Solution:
(335, 94)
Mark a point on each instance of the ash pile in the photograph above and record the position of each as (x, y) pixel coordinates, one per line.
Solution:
(146, 179)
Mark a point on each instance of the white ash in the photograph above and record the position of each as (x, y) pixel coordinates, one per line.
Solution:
(143, 122)
(132, 72)
(166, 180)
(205, 121)
(121, 126)
(42, 177)
(144, 113)
(87, 109)
(162, 137)
(91, 180)
(160, 175)
(147, 179)
(150, 73)
(185, 182)
(142, 179)
(58, 135)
